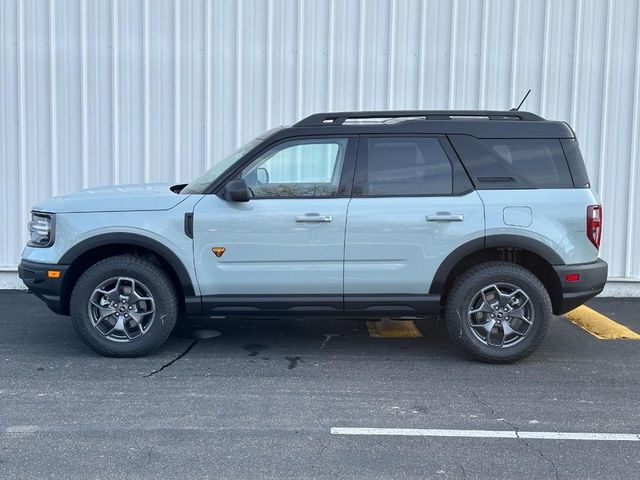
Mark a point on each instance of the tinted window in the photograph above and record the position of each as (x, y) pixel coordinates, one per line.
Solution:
(576, 164)
(514, 163)
(299, 168)
(404, 166)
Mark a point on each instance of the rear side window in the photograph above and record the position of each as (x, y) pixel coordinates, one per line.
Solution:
(404, 166)
(498, 163)
(576, 164)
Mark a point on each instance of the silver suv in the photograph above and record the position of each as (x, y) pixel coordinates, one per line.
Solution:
(485, 217)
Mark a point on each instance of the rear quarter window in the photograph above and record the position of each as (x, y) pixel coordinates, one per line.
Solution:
(499, 163)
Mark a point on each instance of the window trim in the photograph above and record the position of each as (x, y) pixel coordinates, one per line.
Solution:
(460, 182)
(576, 165)
(346, 175)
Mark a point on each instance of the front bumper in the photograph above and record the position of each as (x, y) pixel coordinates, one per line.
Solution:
(35, 276)
(593, 276)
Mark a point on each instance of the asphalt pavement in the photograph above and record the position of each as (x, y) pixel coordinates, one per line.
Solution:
(260, 400)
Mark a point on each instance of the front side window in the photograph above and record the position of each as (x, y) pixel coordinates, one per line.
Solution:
(404, 166)
(298, 168)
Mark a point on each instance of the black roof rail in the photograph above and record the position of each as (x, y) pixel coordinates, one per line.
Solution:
(338, 118)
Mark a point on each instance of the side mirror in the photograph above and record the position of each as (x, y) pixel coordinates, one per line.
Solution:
(237, 191)
(262, 175)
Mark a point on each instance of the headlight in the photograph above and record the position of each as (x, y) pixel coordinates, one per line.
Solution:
(41, 229)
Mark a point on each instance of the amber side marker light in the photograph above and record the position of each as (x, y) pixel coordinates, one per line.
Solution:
(53, 274)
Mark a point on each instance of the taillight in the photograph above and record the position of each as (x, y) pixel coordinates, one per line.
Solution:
(594, 224)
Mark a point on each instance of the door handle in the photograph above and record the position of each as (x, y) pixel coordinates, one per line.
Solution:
(314, 217)
(445, 217)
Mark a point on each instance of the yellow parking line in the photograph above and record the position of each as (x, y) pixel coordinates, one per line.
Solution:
(393, 329)
(598, 325)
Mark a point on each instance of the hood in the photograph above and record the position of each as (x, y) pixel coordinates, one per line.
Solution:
(117, 198)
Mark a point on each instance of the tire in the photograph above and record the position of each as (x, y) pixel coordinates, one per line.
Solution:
(519, 296)
(98, 312)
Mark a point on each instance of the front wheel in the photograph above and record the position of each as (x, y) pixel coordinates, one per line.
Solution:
(498, 312)
(124, 306)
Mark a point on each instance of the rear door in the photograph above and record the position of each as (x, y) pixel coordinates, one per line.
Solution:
(412, 205)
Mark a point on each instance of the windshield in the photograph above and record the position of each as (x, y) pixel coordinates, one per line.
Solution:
(200, 184)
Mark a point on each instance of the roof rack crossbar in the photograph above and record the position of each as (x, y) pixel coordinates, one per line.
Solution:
(338, 118)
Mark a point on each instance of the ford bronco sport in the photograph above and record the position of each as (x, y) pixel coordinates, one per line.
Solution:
(485, 217)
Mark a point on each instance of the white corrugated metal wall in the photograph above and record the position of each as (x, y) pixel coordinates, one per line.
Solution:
(101, 92)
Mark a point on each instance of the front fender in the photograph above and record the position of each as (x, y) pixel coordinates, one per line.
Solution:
(137, 240)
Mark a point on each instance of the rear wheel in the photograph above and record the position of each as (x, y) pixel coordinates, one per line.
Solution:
(124, 306)
(498, 312)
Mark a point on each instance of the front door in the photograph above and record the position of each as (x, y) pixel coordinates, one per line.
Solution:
(284, 249)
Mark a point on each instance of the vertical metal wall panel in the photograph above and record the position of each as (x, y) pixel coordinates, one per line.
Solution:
(10, 191)
(96, 93)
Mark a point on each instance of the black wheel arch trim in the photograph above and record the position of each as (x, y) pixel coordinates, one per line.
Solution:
(136, 240)
(490, 241)
(526, 243)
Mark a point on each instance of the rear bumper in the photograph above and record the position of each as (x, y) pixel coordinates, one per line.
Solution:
(593, 276)
(35, 276)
